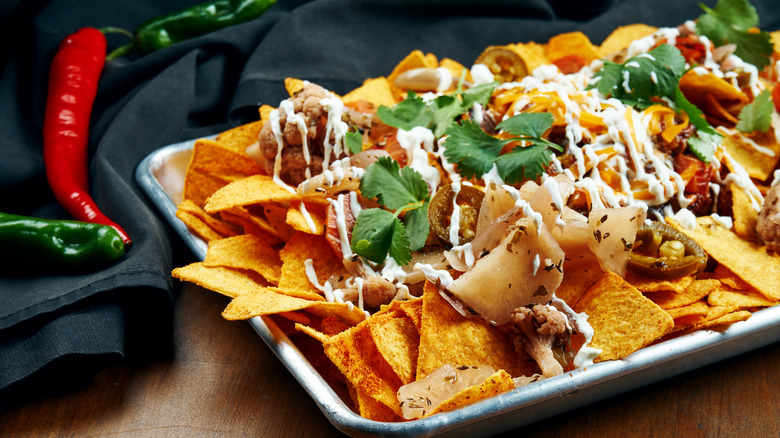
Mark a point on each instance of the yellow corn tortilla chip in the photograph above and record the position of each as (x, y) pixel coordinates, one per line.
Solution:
(296, 317)
(306, 217)
(396, 338)
(648, 285)
(759, 163)
(447, 337)
(313, 333)
(217, 158)
(497, 383)
(696, 309)
(269, 300)
(749, 261)
(250, 225)
(576, 280)
(744, 215)
(293, 86)
(411, 308)
(276, 214)
(265, 113)
(197, 226)
(742, 299)
(415, 59)
(227, 281)
(376, 91)
(456, 70)
(713, 314)
(198, 186)
(245, 252)
(356, 356)
(571, 43)
(725, 321)
(302, 247)
(622, 318)
(217, 224)
(696, 87)
(694, 292)
(623, 36)
(371, 409)
(254, 189)
(237, 139)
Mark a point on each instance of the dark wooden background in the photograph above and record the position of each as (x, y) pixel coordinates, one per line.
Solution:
(222, 380)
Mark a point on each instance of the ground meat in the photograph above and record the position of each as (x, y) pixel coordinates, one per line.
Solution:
(537, 329)
(768, 226)
(306, 104)
(376, 291)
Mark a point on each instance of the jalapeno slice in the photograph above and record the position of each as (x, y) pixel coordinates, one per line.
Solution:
(440, 210)
(664, 253)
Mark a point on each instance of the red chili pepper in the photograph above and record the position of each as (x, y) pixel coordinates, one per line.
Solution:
(73, 81)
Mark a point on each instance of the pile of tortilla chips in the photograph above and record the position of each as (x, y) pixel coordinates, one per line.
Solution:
(261, 236)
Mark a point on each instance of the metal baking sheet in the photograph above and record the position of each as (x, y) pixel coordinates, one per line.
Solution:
(161, 177)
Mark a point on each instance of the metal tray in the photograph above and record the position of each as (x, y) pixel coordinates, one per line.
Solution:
(161, 176)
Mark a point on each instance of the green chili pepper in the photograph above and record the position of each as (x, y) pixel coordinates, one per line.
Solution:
(162, 31)
(46, 246)
(649, 256)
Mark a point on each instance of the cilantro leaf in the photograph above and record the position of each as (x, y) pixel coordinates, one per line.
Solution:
(377, 231)
(757, 115)
(472, 149)
(730, 22)
(373, 234)
(392, 186)
(354, 140)
(523, 163)
(416, 222)
(438, 114)
(639, 79)
(702, 145)
(475, 152)
(406, 114)
(695, 115)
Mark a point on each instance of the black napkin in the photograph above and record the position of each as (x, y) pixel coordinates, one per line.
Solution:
(62, 328)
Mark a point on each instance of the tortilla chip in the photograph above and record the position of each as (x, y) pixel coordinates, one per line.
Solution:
(744, 215)
(751, 262)
(696, 291)
(308, 218)
(576, 280)
(197, 226)
(313, 333)
(219, 158)
(622, 318)
(396, 338)
(250, 225)
(447, 337)
(725, 321)
(456, 69)
(696, 309)
(415, 59)
(245, 252)
(265, 113)
(371, 409)
(227, 281)
(623, 36)
(376, 91)
(300, 248)
(497, 383)
(355, 354)
(649, 285)
(293, 86)
(296, 317)
(276, 214)
(697, 87)
(217, 224)
(742, 299)
(758, 164)
(261, 301)
(254, 189)
(238, 138)
(571, 43)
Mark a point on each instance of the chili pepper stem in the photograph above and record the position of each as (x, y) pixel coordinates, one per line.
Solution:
(120, 51)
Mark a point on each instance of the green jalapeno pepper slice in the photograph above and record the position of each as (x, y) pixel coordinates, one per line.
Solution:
(440, 210)
(661, 252)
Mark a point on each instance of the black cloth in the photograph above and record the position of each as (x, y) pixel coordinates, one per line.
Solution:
(63, 328)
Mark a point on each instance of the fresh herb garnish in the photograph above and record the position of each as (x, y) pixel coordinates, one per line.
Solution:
(730, 22)
(377, 231)
(637, 81)
(439, 113)
(475, 151)
(354, 141)
(757, 115)
(702, 145)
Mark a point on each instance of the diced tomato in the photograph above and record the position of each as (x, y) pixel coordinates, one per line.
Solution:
(570, 63)
(389, 142)
(776, 98)
(331, 226)
(699, 183)
(691, 48)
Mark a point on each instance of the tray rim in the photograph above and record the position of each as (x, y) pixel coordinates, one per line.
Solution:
(510, 410)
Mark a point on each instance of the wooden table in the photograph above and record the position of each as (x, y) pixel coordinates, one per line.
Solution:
(223, 381)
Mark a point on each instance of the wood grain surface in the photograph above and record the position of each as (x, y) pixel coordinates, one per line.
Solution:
(222, 381)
